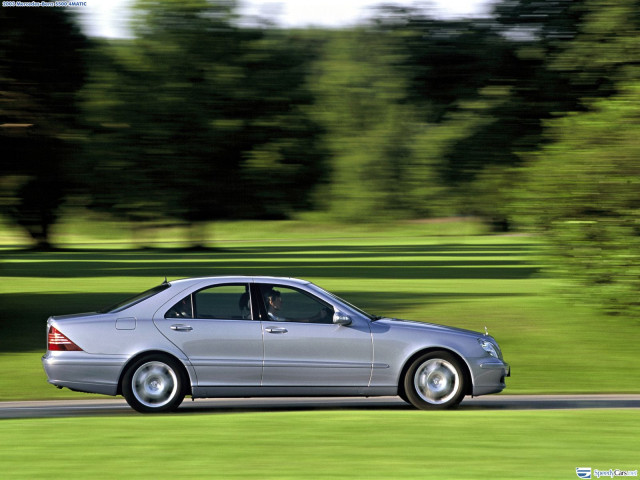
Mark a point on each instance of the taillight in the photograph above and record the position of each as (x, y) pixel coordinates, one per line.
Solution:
(56, 341)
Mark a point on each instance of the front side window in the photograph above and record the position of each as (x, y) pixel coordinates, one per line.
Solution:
(227, 302)
(285, 304)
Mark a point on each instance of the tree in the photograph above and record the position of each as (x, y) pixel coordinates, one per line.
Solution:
(359, 103)
(41, 69)
(206, 120)
(480, 97)
(583, 188)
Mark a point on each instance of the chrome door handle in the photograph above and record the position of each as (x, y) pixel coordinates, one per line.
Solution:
(181, 328)
(276, 330)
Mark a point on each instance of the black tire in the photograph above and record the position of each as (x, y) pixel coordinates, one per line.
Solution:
(154, 384)
(402, 394)
(435, 381)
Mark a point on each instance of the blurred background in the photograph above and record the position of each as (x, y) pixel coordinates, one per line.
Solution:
(464, 163)
(136, 116)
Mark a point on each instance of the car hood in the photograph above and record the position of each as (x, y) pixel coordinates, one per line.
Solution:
(399, 323)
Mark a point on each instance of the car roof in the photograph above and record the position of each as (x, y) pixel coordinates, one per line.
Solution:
(239, 279)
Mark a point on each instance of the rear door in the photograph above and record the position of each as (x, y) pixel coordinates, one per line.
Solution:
(214, 327)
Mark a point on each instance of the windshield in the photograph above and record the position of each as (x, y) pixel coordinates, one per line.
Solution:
(350, 305)
(129, 302)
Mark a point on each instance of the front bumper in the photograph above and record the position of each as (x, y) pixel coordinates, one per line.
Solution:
(489, 376)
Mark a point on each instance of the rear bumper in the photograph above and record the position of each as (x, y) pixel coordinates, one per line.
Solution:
(84, 372)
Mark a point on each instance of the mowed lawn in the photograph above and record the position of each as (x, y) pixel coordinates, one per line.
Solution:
(426, 273)
(324, 445)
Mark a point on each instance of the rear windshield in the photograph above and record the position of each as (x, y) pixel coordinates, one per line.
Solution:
(129, 302)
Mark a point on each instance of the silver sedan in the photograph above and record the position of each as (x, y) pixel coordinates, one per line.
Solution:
(263, 336)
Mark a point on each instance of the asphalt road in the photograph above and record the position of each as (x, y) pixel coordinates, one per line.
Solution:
(106, 406)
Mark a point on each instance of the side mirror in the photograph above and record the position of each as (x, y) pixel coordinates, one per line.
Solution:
(341, 319)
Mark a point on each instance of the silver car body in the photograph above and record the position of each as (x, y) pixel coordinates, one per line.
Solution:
(354, 355)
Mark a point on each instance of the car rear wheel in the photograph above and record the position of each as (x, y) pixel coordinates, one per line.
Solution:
(154, 383)
(435, 381)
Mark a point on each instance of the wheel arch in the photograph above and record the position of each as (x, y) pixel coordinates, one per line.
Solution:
(164, 353)
(466, 370)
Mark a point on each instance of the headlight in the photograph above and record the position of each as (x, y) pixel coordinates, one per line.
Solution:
(489, 347)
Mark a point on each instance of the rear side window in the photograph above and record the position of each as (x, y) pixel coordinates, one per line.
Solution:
(182, 309)
(227, 302)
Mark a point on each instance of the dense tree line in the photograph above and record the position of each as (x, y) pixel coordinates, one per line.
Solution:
(527, 119)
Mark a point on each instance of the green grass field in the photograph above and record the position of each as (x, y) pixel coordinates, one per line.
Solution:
(451, 273)
(324, 445)
(425, 272)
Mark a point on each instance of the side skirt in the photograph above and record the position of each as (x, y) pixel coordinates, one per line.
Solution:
(231, 392)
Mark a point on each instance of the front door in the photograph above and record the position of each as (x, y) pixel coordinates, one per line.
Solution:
(303, 347)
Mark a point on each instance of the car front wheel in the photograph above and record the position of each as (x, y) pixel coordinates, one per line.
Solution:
(435, 381)
(154, 384)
